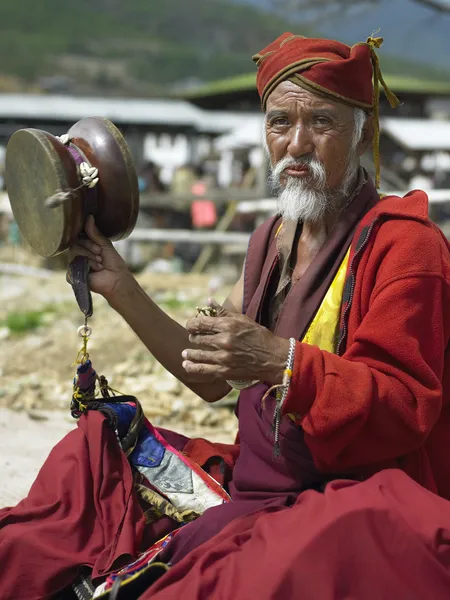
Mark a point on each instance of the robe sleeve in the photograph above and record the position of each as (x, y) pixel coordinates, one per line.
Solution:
(381, 398)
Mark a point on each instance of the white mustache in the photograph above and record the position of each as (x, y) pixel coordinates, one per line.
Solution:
(317, 173)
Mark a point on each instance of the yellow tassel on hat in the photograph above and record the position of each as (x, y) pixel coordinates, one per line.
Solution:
(373, 43)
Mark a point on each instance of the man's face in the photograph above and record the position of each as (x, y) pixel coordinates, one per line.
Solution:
(301, 125)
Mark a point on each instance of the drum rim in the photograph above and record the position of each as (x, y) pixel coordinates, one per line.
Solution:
(65, 177)
(128, 162)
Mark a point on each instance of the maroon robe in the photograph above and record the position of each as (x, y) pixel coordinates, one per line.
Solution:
(383, 538)
(260, 480)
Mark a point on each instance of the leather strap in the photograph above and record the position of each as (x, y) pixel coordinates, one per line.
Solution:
(77, 275)
(78, 271)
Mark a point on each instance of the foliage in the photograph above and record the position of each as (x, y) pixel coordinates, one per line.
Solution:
(20, 322)
(137, 47)
(135, 42)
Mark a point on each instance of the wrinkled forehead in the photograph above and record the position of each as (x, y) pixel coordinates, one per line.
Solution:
(289, 96)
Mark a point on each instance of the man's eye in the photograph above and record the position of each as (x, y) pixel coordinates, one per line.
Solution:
(321, 121)
(280, 121)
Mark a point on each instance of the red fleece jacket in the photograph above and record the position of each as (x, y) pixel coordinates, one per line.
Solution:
(383, 400)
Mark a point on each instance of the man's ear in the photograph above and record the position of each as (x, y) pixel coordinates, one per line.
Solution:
(366, 136)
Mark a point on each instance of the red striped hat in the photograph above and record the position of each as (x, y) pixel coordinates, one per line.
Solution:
(347, 74)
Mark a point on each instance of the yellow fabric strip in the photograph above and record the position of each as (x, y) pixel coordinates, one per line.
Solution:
(324, 329)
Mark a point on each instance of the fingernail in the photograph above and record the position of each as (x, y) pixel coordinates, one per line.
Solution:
(96, 249)
(99, 258)
(184, 363)
(184, 354)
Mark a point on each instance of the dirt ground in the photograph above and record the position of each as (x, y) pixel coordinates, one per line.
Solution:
(39, 343)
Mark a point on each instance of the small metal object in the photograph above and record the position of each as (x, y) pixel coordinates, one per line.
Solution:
(84, 331)
(207, 311)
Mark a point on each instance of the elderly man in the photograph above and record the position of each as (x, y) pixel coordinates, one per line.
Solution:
(337, 334)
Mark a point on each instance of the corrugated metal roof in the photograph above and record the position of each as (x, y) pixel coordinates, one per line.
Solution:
(120, 111)
(219, 121)
(72, 108)
(248, 135)
(418, 134)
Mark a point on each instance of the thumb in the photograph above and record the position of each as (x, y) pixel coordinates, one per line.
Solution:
(94, 232)
(220, 310)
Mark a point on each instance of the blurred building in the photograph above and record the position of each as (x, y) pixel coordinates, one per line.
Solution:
(415, 138)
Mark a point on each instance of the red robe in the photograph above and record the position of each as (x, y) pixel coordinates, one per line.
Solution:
(386, 537)
(382, 403)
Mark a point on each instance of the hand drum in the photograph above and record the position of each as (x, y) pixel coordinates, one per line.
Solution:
(54, 183)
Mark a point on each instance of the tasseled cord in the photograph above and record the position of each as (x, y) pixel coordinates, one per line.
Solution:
(281, 394)
(376, 42)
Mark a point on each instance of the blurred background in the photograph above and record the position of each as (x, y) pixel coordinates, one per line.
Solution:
(178, 80)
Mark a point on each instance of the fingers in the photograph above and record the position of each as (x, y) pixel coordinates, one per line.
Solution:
(217, 341)
(90, 245)
(87, 249)
(202, 370)
(95, 266)
(94, 233)
(204, 356)
(207, 325)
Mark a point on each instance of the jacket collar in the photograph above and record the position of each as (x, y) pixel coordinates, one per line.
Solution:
(413, 205)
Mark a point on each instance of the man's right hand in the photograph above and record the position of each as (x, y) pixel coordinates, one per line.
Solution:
(109, 272)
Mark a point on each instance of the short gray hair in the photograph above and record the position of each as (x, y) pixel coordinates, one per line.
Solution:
(359, 117)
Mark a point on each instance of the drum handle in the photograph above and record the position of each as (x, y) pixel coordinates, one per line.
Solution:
(78, 277)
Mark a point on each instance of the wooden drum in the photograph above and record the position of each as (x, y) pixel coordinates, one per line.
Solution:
(54, 183)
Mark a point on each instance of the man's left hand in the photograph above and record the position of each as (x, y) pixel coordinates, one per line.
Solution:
(233, 347)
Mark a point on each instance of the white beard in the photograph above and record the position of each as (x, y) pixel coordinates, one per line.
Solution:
(309, 199)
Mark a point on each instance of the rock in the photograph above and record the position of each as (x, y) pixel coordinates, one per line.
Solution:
(201, 416)
(17, 404)
(166, 383)
(13, 390)
(29, 401)
(178, 404)
(134, 367)
(37, 416)
(35, 341)
(36, 366)
(152, 411)
(137, 385)
(32, 381)
(122, 369)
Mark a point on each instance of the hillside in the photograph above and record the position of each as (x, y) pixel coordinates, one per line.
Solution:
(412, 31)
(133, 47)
(137, 47)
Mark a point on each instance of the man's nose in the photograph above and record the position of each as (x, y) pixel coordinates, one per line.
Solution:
(300, 142)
